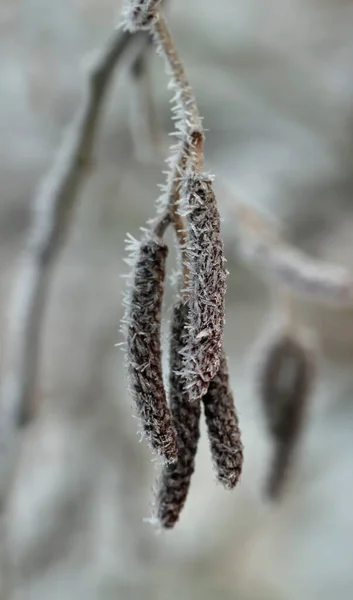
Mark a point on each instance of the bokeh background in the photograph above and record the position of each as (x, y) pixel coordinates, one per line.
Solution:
(274, 81)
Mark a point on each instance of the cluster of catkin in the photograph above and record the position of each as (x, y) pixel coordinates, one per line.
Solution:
(198, 373)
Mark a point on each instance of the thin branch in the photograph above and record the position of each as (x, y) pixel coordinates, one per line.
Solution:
(52, 217)
(143, 116)
(262, 244)
(173, 200)
(190, 122)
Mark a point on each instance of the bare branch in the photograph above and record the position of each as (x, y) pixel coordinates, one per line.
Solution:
(52, 217)
(262, 244)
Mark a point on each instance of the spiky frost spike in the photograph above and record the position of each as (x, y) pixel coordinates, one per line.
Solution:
(223, 428)
(285, 383)
(206, 284)
(174, 482)
(139, 14)
(143, 331)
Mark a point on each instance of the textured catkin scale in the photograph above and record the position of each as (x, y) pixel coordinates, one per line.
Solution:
(143, 328)
(285, 382)
(139, 14)
(206, 285)
(223, 428)
(174, 482)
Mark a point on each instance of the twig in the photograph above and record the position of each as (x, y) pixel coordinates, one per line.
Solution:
(143, 117)
(291, 269)
(187, 114)
(52, 218)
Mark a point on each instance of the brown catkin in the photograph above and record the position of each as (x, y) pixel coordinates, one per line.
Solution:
(285, 383)
(143, 332)
(206, 284)
(223, 428)
(174, 482)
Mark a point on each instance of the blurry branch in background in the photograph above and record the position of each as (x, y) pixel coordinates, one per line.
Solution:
(144, 126)
(262, 245)
(52, 218)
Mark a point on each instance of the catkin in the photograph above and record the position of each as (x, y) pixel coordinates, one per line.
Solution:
(223, 428)
(174, 482)
(285, 384)
(143, 329)
(206, 283)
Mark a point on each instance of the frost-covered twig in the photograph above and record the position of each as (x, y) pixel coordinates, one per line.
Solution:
(52, 217)
(188, 118)
(139, 14)
(145, 14)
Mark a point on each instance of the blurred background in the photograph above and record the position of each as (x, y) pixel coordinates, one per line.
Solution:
(274, 81)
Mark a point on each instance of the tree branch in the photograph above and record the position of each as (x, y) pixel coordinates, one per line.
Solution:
(291, 269)
(52, 217)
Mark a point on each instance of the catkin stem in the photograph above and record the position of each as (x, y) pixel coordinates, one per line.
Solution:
(190, 116)
(174, 197)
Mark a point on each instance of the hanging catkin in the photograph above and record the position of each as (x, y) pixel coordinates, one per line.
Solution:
(174, 482)
(223, 428)
(285, 382)
(143, 330)
(206, 285)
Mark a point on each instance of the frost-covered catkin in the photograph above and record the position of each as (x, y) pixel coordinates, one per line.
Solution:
(206, 285)
(223, 428)
(285, 383)
(174, 482)
(139, 14)
(143, 332)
